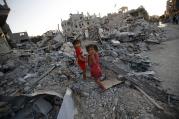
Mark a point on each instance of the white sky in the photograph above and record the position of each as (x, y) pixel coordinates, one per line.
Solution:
(39, 16)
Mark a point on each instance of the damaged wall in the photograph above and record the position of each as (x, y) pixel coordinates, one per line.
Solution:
(4, 46)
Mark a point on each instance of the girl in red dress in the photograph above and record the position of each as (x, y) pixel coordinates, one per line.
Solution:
(93, 62)
(81, 60)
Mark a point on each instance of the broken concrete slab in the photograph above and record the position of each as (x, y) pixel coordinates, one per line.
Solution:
(59, 38)
(115, 42)
(124, 36)
(142, 73)
(42, 106)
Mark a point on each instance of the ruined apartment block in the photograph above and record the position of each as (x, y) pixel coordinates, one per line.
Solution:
(78, 24)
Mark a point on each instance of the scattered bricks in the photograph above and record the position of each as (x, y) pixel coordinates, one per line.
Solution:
(63, 77)
(10, 64)
(10, 90)
(1, 75)
(1, 68)
(3, 82)
(1, 91)
(10, 83)
(114, 54)
(115, 42)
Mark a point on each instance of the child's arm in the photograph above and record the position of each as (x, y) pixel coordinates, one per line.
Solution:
(89, 60)
(93, 59)
(80, 57)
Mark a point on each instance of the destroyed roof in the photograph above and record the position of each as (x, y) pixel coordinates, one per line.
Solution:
(18, 37)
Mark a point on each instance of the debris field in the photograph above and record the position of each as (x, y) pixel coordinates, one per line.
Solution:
(37, 72)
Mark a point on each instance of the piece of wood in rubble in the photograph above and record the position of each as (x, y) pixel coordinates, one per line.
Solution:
(110, 83)
(149, 98)
(40, 78)
(149, 89)
(143, 84)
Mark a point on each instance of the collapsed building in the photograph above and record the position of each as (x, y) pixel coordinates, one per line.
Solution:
(20, 39)
(78, 24)
(172, 9)
(41, 80)
(96, 28)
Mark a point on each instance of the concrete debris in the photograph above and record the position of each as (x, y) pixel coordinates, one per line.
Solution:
(143, 73)
(115, 42)
(43, 105)
(47, 62)
(1, 74)
(138, 63)
(29, 76)
(67, 48)
(123, 36)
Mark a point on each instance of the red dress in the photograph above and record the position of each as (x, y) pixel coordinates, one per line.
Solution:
(81, 63)
(95, 67)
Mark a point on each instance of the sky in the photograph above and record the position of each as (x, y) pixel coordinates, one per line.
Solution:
(38, 16)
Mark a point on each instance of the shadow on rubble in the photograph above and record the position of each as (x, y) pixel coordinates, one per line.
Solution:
(40, 106)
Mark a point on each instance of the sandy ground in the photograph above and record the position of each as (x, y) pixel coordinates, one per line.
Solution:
(165, 58)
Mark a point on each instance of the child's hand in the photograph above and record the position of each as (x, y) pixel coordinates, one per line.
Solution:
(76, 62)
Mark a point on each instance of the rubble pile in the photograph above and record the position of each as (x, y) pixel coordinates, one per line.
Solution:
(51, 40)
(126, 28)
(111, 104)
(49, 65)
(21, 76)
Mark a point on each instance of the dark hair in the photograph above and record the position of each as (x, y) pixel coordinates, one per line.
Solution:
(76, 42)
(92, 46)
(95, 47)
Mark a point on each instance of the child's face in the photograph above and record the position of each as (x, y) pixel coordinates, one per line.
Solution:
(77, 45)
(91, 51)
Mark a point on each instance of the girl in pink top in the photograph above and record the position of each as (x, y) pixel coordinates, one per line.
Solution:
(93, 62)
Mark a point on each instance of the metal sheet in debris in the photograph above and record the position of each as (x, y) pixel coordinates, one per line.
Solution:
(110, 83)
(67, 110)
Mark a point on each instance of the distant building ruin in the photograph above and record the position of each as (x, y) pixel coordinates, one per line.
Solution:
(78, 24)
(123, 9)
(139, 12)
(20, 37)
(94, 28)
(172, 8)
